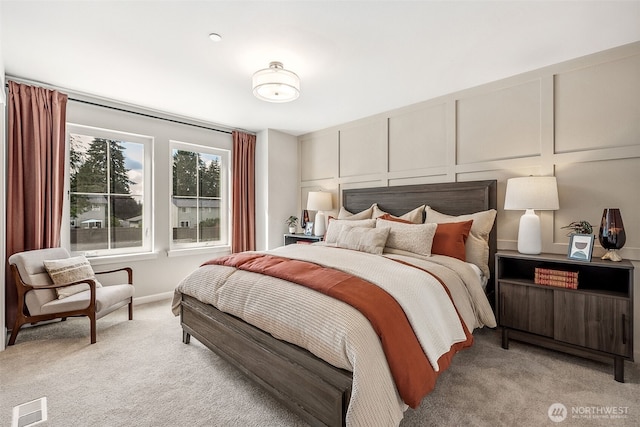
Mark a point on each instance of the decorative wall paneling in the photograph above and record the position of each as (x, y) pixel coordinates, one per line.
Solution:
(578, 120)
(596, 107)
(501, 124)
(320, 151)
(363, 148)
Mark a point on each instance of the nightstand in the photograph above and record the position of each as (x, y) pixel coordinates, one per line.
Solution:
(301, 238)
(594, 321)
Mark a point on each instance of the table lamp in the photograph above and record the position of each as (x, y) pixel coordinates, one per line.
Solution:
(319, 201)
(529, 193)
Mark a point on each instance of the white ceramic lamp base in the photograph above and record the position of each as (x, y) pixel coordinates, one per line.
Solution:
(529, 234)
(319, 226)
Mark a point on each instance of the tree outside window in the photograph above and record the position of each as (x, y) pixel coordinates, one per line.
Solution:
(197, 204)
(106, 193)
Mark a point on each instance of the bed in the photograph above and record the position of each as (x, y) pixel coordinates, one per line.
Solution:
(322, 384)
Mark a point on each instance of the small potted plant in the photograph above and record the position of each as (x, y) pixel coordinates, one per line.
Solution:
(292, 222)
(579, 227)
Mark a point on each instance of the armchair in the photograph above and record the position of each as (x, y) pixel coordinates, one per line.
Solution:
(38, 300)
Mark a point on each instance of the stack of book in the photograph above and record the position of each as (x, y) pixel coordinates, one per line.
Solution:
(558, 278)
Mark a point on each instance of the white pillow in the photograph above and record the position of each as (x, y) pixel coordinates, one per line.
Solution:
(363, 239)
(365, 214)
(69, 270)
(336, 226)
(414, 216)
(416, 238)
(477, 244)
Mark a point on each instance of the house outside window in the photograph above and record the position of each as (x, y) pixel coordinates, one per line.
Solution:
(200, 196)
(109, 191)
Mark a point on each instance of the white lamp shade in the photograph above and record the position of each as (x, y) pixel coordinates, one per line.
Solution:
(275, 84)
(529, 193)
(319, 201)
(532, 192)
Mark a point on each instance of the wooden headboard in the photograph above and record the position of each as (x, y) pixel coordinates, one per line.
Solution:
(452, 198)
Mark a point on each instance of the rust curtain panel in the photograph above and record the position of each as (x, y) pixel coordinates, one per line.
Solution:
(243, 193)
(35, 173)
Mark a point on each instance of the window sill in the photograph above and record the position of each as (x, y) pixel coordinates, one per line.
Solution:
(119, 259)
(210, 250)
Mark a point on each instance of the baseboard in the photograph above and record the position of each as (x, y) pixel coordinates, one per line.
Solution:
(153, 298)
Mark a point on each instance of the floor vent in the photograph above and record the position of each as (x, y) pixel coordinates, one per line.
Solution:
(30, 413)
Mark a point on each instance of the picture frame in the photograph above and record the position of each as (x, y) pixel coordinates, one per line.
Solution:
(308, 228)
(580, 247)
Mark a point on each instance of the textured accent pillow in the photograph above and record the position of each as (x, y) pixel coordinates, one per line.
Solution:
(371, 240)
(69, 270)
(365, 214)
(415, 216)
(416, 238)
(450, 239)
(336, 226)
(477, 245)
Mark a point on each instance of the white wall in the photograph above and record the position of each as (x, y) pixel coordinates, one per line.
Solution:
(276, 186)
(578, 120)
(160, 272)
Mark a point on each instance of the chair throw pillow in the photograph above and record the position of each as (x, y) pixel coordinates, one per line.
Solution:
(69, 270)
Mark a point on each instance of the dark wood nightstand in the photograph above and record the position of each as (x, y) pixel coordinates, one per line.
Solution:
(593, 321)
(290, 239)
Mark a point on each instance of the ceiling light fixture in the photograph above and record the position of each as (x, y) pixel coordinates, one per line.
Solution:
(275, 84)
(215, 37)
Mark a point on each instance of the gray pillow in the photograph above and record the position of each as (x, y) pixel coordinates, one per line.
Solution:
(416, 238)
(371, 240)
(336, 226)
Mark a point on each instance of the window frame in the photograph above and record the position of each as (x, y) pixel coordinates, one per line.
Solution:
(225, 196)
(148, 233)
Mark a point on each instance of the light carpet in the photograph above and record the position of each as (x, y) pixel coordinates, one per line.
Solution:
(140, 373)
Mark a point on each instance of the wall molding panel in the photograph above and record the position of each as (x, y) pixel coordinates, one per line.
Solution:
(550, 121)
(578, 120)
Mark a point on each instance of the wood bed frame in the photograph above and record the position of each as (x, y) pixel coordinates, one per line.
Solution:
(318, 392)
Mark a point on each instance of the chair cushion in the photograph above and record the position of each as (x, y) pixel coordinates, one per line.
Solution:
(106, 297)
(70, 270)
(30, 265)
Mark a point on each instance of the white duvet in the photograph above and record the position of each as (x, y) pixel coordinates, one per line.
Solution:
(339, 334)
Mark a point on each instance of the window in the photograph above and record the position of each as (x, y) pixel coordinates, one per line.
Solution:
(109, 191)
(200, 196)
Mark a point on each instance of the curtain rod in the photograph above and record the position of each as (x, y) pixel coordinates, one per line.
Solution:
(124, 110)
(148, 115)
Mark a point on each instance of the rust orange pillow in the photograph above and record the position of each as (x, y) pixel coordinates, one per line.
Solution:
(450, 239)
(390, 217)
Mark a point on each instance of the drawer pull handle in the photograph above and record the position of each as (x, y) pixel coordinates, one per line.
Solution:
(624, 328)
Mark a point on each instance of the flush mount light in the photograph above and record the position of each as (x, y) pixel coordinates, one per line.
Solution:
(275, 84)
(215, 37)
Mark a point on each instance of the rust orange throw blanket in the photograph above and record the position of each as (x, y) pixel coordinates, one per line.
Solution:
(413, 374)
